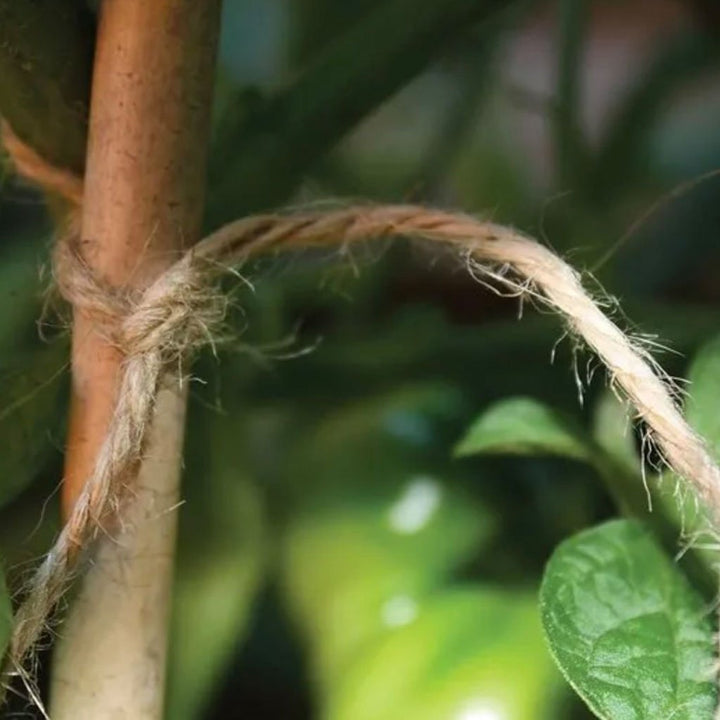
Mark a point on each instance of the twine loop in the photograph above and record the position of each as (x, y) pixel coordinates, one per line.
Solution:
(176, 314)
(183, 308)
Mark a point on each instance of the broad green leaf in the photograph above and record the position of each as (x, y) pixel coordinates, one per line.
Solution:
(358, 566)
(375, 528)
(626, 628)
(469, 652)
(525, 426)
(5, 615)
(522, 426)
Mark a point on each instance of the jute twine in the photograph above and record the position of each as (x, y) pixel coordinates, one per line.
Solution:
(182, 310)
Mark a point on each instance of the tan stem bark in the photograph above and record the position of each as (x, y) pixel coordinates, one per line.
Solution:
(143, 205)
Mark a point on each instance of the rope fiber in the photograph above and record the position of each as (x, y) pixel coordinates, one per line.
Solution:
(183, 309)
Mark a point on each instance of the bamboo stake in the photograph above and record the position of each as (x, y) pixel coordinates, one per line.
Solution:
(143, 205)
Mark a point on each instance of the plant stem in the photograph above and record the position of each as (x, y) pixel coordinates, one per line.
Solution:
(567, 122)
(620, 159)
(143, 204)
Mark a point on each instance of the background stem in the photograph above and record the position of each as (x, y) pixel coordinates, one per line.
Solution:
(278, 139)
(143, 204)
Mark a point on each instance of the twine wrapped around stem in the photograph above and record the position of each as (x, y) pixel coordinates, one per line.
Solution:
(182, 310)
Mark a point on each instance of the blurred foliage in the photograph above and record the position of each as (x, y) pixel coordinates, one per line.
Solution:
(46, 49)
(523, 426)
(5, 615)
(458, 659)
(335, 560)
(221, 556)
(32, 392)
(278, 139)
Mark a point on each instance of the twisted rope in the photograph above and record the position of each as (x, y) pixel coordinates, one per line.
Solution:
(183, 308)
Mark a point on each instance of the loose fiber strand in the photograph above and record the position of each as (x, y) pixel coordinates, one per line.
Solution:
(183, 309)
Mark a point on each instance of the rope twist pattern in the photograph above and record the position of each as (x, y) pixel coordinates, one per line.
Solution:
(183, 309)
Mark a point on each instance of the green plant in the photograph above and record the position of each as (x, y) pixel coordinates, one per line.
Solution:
(325, 516)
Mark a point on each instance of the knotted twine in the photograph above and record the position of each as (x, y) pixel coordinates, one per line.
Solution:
(183, 309)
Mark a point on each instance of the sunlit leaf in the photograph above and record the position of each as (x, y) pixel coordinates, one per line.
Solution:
(469, 652)
(629, 633)
(353, 569)
(375, 530)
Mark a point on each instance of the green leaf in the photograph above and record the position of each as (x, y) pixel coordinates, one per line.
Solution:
(32, 391)
(522, 426)
(626, 628)
(701, 413)
(360, 565)
(470, 652)
(673, 514)
(376, 528)
(526, 427)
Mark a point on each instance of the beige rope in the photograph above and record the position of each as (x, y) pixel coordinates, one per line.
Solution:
(182, 310)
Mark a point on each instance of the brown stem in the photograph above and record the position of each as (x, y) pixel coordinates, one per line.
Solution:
(144, 182)
(143, 205)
